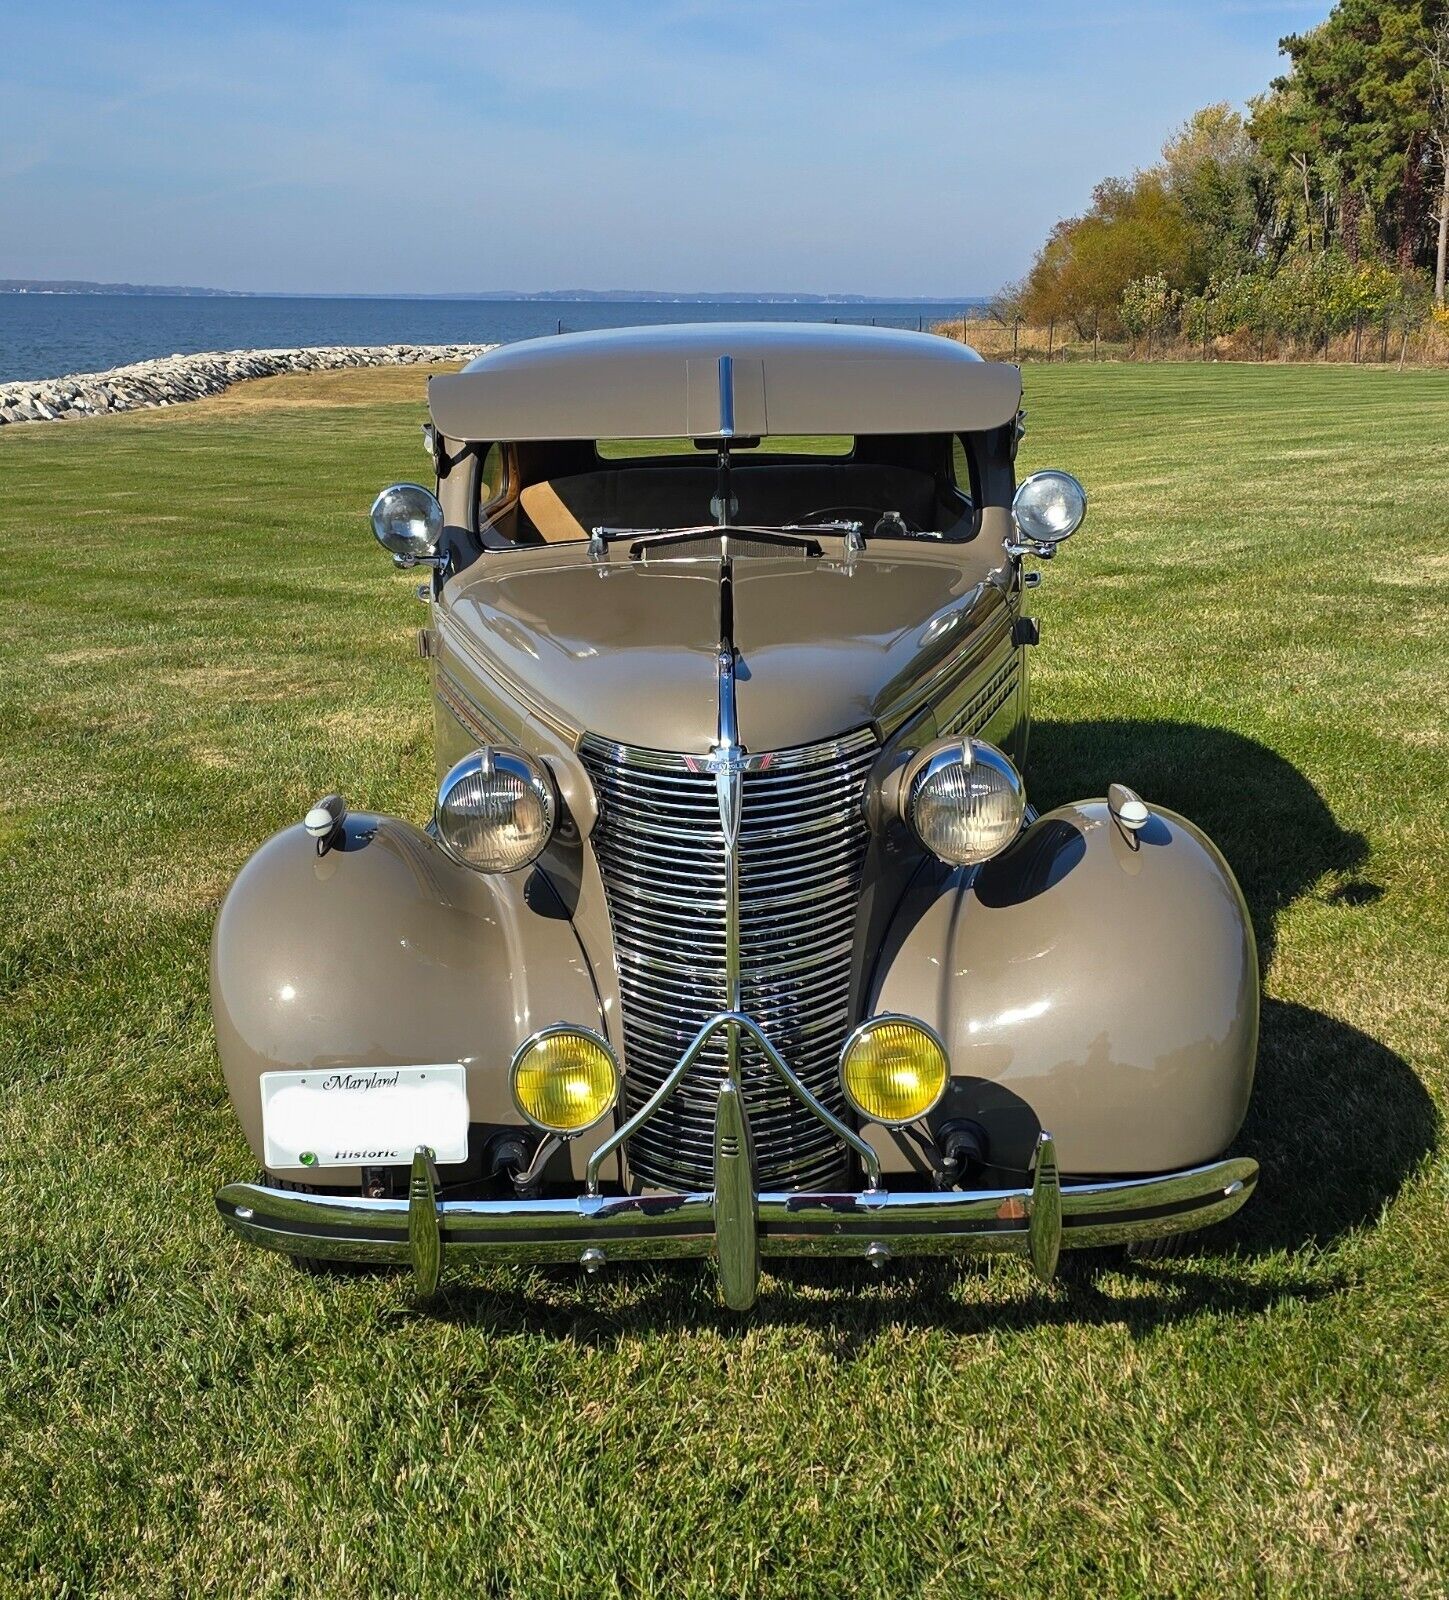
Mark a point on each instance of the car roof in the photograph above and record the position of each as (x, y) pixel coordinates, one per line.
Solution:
(723, 379)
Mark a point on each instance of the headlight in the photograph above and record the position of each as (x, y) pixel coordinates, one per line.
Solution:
(564, 1079)
(1049, 507)
(496, 810)
(893, 1070)
(408, 520)
(965, 802)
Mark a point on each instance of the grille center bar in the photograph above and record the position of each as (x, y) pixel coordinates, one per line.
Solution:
(728, 761)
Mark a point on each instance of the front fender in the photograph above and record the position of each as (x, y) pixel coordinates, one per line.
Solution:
(385, 952)
(1100, 985)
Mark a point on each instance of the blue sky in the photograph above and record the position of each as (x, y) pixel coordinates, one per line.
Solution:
(916, 148)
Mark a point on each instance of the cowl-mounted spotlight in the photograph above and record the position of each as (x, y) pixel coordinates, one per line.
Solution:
(1047, 508)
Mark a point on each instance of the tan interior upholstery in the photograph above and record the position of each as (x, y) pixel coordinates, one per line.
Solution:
(562, 509)
(549, 514)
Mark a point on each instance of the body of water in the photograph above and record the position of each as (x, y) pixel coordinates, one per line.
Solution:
(50, 335)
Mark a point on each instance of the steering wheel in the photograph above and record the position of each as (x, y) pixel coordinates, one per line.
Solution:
(873, 516)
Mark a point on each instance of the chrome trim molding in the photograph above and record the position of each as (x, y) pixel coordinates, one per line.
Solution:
(591, 1228)
(979, 644)
(466, 711)
(726, 397)
(727, 762)
(509, 691)
(974, 712)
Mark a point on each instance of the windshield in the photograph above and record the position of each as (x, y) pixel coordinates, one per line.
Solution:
(832, 484)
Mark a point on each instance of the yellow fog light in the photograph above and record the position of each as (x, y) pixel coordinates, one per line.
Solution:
(564, 1079)
(893, 1070)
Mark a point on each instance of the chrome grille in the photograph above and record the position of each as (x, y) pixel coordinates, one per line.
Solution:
(661, 853)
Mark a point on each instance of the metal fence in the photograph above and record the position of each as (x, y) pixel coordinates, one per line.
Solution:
(1379, 341)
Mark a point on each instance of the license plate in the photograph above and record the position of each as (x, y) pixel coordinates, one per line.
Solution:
(364, 1116)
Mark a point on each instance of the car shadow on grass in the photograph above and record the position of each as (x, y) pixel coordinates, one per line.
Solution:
(1337, 1121)
(846, 1305)
(1277, 832)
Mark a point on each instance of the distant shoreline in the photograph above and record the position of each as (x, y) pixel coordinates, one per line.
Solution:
(76, 286)
(174, 380)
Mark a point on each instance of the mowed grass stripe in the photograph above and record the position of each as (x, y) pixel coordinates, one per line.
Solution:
(198, 637)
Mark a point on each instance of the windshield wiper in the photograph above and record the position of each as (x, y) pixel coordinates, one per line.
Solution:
(791, 535)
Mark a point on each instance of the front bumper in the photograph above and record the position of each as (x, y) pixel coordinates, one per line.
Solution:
(871, 1225)
(735, 1222)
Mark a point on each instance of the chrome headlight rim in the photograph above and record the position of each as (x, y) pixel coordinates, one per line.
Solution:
(862, 1030)
(521, 765)
(939, 757)
(1022, 512)
(553, 1031)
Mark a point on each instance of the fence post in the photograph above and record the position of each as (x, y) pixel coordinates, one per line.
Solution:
(1262, 341)
(1096, 334)
(1051, 336)
(1015, 331)
(1357, 335)
(1384, 340)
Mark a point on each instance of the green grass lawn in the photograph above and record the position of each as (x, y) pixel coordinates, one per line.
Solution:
(198, 636)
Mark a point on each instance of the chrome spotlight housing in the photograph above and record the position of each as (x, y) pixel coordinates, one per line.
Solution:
(408, 521)
(1047, 508)
(964, 801)
(496, 810)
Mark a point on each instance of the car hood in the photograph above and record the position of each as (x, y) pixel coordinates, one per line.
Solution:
(628, 650)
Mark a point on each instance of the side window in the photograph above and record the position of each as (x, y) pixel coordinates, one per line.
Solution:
(493, 478)
(961, 474)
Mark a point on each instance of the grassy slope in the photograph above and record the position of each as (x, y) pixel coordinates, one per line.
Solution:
(197, 638)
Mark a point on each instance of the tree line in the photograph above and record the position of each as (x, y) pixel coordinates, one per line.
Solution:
(1323, 209)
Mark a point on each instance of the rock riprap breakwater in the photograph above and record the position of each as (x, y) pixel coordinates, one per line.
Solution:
(173, 380)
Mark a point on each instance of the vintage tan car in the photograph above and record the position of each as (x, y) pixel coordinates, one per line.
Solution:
(733, 932)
